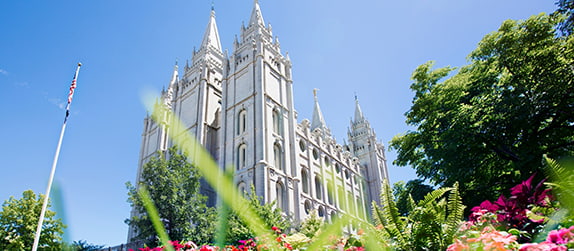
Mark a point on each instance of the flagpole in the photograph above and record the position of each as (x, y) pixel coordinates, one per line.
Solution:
(47, 194)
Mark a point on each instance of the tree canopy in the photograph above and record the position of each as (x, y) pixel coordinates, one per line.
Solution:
(566, 8)
(173, 184)
(489, 124)
(272, 217)
(19, 220)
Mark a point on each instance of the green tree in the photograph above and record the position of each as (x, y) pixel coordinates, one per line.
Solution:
(83, 245)
(271, 215)
(19, 220)
(173, 184)
(489, 125)
(566, 8)
(312, 225)
(413, 189)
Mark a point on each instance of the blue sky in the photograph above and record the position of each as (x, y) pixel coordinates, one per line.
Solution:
(365, 47)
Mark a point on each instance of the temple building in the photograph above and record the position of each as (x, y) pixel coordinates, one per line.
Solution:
(240, 107)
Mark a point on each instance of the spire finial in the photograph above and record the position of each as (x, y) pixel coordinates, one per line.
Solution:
(212, 5)
(314, 91)
(356, 96)
(176, 59)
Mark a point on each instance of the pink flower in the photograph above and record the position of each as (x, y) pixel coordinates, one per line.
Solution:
(207, 248)
(544, 246)
(458, 245)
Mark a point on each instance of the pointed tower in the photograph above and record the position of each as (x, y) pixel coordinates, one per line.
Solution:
(370, 153)
(198, 98)
(318, 122)
(258, 115)
(155, 135)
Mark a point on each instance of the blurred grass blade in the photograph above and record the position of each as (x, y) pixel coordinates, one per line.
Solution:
(154, 217)
(210, 171)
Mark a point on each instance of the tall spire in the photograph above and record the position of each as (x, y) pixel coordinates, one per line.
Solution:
(358, 113)
(168, 95)
(318, 121)
(211, 36)
(256, 17)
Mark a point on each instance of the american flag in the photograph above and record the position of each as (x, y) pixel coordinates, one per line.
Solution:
(72, 87)
(71, 94)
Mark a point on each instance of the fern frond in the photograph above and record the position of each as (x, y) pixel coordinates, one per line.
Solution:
(433, 196)
(411, 203)
(390, 215)
(455, 213)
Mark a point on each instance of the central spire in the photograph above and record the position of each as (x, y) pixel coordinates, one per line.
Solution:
(256, 17)
(211, 36)
(358, 113)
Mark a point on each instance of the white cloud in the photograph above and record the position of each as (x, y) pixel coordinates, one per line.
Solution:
(3, 72)
(58, 102)
(23, 84)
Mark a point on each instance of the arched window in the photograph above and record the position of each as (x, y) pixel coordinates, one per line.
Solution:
(307, 206)
(330, 192)
(241, 156)
(341, 198)
(278, 155)
(318, 187)
(361, 208)
(302, 145)
(352, 210)
(280, 192)
(242, 121)
(242, 188)
(276, 122)
(305, 181)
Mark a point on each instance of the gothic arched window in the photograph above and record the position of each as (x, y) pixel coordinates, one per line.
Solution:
(241, 156)
(278, 155)
(242, 121)
(330, 192)
(242, 188)
(318, 187)
(280, 192)
(305, 181)
(276, 122)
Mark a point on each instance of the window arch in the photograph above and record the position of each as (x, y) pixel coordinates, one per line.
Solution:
(307, 206)
(242, 188)
(276, 122)
(278, 156)
(305, 180)
(330, 192)
(321, 211)
(280, 195)
(242, 121)
(318, 188)
(241, 156)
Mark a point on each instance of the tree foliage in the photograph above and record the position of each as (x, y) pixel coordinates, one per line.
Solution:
(173, 184)
(271, 215)
(83, 245)
(19, 220)
(312, 225)
(566, 9)
(489, 125)
(404, 192)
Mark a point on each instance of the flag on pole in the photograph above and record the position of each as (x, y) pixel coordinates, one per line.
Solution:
(71, 94)
(54, 163)
(72, 87)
